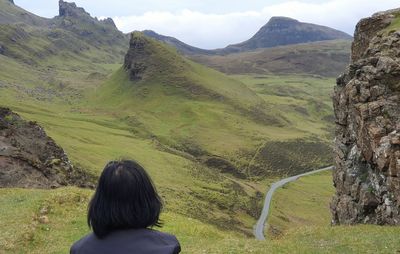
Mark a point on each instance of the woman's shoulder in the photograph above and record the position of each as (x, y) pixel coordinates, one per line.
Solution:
(138, 238)
(152, 237)
(170, 240)
(163, 235)
(82, 242)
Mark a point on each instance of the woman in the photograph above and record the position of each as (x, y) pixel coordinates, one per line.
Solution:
(122, 212)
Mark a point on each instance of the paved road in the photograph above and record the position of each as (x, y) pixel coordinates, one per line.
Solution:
(259, 227)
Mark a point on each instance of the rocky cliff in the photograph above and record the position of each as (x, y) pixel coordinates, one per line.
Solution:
(367, 109)
(96, 32)
(31, 159)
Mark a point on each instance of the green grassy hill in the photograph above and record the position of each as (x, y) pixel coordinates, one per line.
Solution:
(217, 119)
(197, 131)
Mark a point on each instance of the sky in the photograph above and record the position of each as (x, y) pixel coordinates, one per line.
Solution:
(217, 23)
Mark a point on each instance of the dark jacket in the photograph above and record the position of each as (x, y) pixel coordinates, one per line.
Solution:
(134, 241)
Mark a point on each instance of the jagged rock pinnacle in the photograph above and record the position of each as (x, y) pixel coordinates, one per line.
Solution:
(70, 9)
(135, 62)
(109, 21)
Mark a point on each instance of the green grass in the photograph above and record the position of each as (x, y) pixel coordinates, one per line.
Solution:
(306, 224)
(395, 25)
(182, 104)
(301, 203)
(12, 14)
(300, 222)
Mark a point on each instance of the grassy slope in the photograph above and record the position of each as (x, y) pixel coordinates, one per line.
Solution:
(300, 222)
(11, 13)
(306, 231)
(93, 136)
(395, 25)
(327, 58)
(94, 133)
(191, 105)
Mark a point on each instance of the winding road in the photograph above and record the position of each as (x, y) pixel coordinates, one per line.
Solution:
(259, 226)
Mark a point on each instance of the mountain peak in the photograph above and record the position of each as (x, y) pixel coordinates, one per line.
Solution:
(148, 58)
(135, 59)
(109, 22)
(70, 10)
(281, 23)
(282, 19)
(281, 31)
(11, 1)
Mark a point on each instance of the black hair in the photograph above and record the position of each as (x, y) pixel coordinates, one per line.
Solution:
(125, 198)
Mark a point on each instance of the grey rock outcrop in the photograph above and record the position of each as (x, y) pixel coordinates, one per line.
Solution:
(31, 159)
(71, 10)
(109, 22)
(367, 110)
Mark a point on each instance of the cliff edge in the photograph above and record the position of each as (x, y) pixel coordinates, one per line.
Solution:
(367, 110)
(31, 159)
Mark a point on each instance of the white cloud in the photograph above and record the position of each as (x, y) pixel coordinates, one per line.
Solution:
(218, 30)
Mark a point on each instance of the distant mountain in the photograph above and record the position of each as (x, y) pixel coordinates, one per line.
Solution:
(182, 47)
(97, 32)
(323, 58)
(280, 31)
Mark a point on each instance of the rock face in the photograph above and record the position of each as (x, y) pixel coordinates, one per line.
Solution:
(30, 159)
(71, 10)
(96, 32)
(109, 22)
(137, 56)
(367, 109)
(148, 59)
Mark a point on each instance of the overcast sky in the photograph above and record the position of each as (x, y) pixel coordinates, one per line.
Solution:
(217, 23)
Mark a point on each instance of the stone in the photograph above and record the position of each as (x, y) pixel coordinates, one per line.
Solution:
(367, 143)
(44, 219)
(395, 140)
(31, 159)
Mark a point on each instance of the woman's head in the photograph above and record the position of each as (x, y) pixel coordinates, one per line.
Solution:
(125, 198)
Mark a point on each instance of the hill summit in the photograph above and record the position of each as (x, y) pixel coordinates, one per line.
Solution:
(280, 31)
(146, 55)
